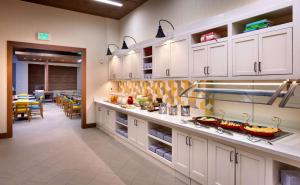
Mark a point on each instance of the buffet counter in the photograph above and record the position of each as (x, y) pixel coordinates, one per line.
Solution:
(287, 147)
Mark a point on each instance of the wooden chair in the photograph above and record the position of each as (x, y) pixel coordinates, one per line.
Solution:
(74, 109)
(22, 108)
(36, 108)
(66, 106)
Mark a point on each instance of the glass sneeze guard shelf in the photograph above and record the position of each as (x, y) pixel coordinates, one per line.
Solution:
(292, 97)
(256, 92)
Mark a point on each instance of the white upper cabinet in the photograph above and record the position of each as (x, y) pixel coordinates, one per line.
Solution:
(210, 60)
(199, 61)
(217, 59)
(245, 56)
(250, 169)
(268, 53)
(275, 50)
(132, 65)
(127, 66)
(221, 164)
(179, 64)
(161, 60)
(171, 59)
(115, 68)
(136, 68)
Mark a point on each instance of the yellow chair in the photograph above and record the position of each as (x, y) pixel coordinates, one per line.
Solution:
(22, 108)
(36, 108)
(74, 109)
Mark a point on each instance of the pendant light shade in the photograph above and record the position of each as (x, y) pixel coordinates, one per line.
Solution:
(124, 45)
(108, 52)
(160, 31)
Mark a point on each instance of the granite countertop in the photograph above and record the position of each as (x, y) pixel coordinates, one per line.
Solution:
(287, 147)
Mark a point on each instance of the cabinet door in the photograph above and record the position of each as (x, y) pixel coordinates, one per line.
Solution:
(99, 116)
(221, 164)
(132, 130)
(245, 56)
(179, 64)
(127, 66)
(111, 69)
(118, 67)
(275, 52)
(217, 59)
(136, 61)
(250, 169)
(198, 160)
(112, 120)
(181, 153)
(141, 134)
(161, 60)
(105, 118)
(199, 61)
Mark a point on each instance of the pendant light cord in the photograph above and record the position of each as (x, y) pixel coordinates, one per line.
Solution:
(164, 20)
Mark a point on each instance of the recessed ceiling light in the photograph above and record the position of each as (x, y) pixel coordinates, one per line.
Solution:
(110, 2)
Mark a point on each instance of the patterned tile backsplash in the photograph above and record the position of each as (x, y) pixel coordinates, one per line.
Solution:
(168, 90)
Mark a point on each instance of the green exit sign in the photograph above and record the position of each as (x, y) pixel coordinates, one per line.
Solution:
(43, 36)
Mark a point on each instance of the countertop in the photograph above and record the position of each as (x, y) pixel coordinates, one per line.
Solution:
(287, 147)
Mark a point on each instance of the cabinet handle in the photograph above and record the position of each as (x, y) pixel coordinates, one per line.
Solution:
(259, 66)
(204, 70)
(166, 72)
(255, 67)
(190, 141)
(231, 154)
(107, 112)
(186, 140)
(236, 158)
(99, 108)
(207, 70)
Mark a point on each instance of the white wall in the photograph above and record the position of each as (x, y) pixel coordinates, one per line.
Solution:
(21, 77)
(19, 21)
(142, 23)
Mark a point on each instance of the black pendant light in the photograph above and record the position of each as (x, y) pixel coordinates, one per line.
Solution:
(108, 53)
(160, 31)
(124, 45)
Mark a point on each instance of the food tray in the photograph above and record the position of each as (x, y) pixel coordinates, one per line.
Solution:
(211, 123)
(240, 125)
(261, 134)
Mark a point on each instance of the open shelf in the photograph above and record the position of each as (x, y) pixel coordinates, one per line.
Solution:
(122, 124)
(279, 167)
(147, 62)
(222, 31)
(165, 161)
(160, 140)
(277, 17)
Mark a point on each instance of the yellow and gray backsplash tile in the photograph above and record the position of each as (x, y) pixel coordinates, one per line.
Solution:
(168, 90)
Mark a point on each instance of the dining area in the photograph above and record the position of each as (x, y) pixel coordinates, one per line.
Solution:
(70, 104)
(26, 106)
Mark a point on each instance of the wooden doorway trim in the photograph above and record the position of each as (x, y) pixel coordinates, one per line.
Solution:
(11, 45)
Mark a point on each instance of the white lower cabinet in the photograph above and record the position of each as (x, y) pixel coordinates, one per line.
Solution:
(137, 132)
(190, 156)
(250, 169)
(231, 166)
(100, 115)
(109, 120)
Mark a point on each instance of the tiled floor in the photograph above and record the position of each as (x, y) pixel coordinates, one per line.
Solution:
(56, 151)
